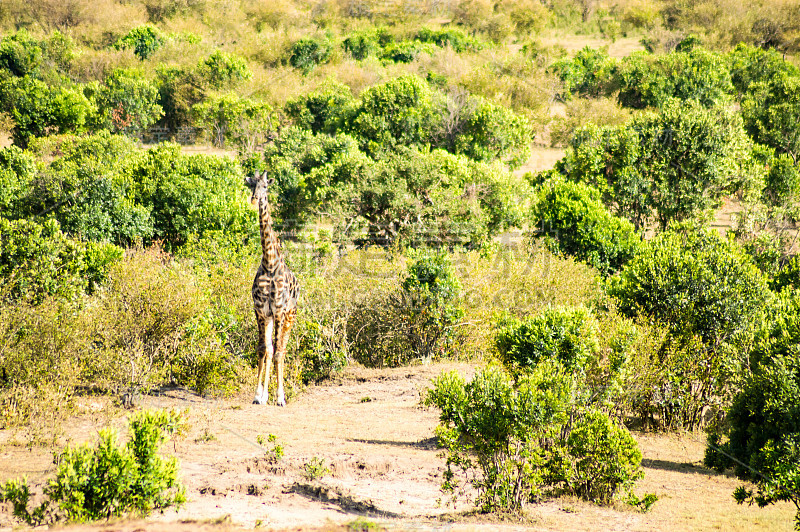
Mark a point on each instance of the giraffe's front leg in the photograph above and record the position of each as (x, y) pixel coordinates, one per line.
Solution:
(284, 327)
(265, 327)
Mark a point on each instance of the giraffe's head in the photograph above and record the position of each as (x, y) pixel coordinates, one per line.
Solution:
(259, 184)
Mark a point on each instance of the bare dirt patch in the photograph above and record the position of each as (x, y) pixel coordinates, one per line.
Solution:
(377, 441)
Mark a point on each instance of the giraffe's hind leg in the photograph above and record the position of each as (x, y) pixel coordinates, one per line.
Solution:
(264, 353)
(284, 326)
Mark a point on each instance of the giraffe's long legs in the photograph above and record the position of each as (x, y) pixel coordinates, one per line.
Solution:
(284, 326)
(264, 353)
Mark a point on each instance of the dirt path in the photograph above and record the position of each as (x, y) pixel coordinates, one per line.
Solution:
(377, 441)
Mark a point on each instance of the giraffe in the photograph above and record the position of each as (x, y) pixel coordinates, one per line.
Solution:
(275, 291)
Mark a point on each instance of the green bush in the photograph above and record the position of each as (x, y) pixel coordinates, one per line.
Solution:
(581, 112)
(782, 183)
(223, 71)
(671, 166)
(573, 221)
(515, 443)
(787, 276)
(37, 261)
(320, 353)
(20, 54)
(493, 132)
(706, 291)
(605, 458)
(321, 111)
(431, 292)
(17, 172)
(763, 423)
(567, 336)
(107, 480)
(309, 169)
(85, 187)
(651, 81)
(771, 112)
(396, 113)
(307, 53)
(411, 196)
(750, 64)
(179, 89)
(38, 109)
(143, 40)
(361, 44)
(590, 73)
(190, 194)
(128, 102)
(230, 118)
(639, 378)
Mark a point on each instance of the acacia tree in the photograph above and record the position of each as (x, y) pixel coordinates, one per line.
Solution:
(668, 166)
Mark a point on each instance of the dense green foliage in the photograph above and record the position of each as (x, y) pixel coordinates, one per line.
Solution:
(37, 261)
(668, 166)
(567, 336)
(411, 196)
(144, 40)
(763, 423)
(589, 73)
(771, 110)
(107, 480)
(572, 220)
(653, 80)
(706, 290)
(515, 442)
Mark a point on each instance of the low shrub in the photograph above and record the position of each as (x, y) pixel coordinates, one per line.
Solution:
(516, 442)
(108, 480)
(605, 458)
(567, 336)
(416, 321)
(706, 291)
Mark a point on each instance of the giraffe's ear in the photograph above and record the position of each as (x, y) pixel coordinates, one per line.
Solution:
(270, 181)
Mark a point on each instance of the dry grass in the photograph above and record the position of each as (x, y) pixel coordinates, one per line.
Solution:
(542, 158)
(622, 47)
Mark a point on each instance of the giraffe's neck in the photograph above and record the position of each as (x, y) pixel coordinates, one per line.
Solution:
(270, 244)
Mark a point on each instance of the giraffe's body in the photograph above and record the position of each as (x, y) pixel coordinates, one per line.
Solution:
(275, 292)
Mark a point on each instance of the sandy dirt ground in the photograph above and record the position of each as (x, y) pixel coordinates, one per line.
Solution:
(377, 441)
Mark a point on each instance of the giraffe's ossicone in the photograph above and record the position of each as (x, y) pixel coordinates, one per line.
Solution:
(275, 292)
